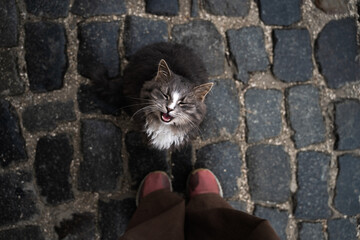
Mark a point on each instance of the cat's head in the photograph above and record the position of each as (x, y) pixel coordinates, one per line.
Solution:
(173, 100)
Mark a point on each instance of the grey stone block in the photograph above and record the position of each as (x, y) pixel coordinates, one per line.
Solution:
(99, 45)
(162, 7)
(347, 122)
(203, 37)
(278, 219)
(52, 168)
(305, 115)
(338, 66)
(263, 116)
(280, 12)
(248, 50)
(269, 173)
(348, 185)
(80, 226)
(22, 233)
(46, 116)
(102, 163)
(46, 60)
(312, 195)
(12, 143)
(311, 231)
(342, 229)
(50, 9)
(223, 109)
(224, 159)
(140, 32)
(10, 82)
(230, 8)
(9, 20)
(89, 8)
(292, 55)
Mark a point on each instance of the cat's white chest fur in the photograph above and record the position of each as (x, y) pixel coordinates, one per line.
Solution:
(162, 137)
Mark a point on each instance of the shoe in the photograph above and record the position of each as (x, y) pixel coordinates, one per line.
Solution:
(202, 181)
(154, 181)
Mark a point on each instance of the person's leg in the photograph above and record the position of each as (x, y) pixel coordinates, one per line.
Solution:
(160, 213)
(209, 216)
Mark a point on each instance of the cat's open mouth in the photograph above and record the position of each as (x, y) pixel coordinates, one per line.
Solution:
(165, 117)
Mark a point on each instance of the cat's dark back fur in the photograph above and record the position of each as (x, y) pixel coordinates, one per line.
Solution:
(143, 66)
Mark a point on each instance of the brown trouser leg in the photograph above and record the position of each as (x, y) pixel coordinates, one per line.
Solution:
(162, 215)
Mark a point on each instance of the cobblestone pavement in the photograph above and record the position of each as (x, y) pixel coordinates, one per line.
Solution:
(282, 130)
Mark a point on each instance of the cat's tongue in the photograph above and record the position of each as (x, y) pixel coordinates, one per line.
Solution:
(166, 117)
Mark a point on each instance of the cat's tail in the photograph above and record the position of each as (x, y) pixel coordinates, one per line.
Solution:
(106, 88)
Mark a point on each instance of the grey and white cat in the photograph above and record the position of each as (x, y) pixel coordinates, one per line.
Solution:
(164, 87)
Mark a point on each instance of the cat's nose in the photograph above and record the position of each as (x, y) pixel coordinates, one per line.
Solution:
(169, 109)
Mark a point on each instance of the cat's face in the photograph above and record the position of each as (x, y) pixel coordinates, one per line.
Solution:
(173, 101)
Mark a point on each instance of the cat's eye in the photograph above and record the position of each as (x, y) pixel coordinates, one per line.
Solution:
(165, 96)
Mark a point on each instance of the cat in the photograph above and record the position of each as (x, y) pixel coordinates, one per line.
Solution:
(164, 87)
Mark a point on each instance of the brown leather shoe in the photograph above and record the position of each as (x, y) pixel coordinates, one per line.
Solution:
(154, 181)
(202, 181)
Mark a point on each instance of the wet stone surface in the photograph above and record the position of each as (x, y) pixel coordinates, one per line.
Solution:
(10, 82)
(278, 219)
(342, 229)
(80, 226)
(263, 116)
(292, 55)
(224, 160)
(45, 45)
(348, 185)
(162, 7)
(98, 45)
(17, 197)
(312, 195)
(48, 116)
(8, 23)
(268, 173)
(232, 8)
(280, 12)
(140, 32)
(338, 66)
(143, 159)
(347, 122)
(12, 143)
(114, 216)
(50, 9)
(52, 168)
(89, 8)
(102, 163)
(223, 109)
(23, 233)
(305, 115)
(248, 50)
(203, 37)
(311, 231)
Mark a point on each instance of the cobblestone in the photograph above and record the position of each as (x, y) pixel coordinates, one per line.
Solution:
(223, 109)
(163, 7)
(281, 131)
(12, 144)
(348, 185)
(305, 115)
(49, 9)
(98, 45)
(52, 168)
(311, 231)
(248, 49)
(338, 66)
(225, 161)
(263, 116)
(89, 8)
(204, 38)
(45, 46)
(292, 55)
(8, 23)
(278, 219)
(10, 82)
(102, 165)
(47, 116)
(312, 196)
(268, 173)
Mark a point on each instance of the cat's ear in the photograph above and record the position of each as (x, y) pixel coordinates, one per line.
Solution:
(164, 72)
(202, 90)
